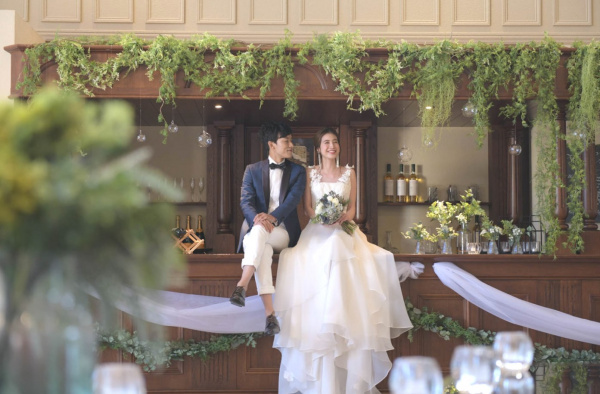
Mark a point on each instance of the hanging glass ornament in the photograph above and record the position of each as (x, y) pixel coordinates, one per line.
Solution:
(404, 154)
(469, 110)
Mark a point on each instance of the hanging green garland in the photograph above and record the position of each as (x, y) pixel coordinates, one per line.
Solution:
(218, 68)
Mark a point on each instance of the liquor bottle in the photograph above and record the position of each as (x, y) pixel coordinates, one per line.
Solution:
(388, 185)
(177, 231)
(188, 226)
(200, 233)
(401, 185)
(413, 183)
(476, 232)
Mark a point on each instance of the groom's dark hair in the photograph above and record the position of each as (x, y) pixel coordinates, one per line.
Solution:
(272, 131)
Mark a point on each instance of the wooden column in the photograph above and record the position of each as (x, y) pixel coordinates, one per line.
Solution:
(590, 193)
(224, 239)
(359, 134)
(562, 211)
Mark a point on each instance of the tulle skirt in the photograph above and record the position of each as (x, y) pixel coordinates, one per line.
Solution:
(339, 303)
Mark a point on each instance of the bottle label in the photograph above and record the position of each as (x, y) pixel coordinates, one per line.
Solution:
(389, 187)
(412, 187)
(401, 187)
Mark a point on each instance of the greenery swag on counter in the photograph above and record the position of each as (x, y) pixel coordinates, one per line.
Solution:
(153, 355)
(433, 71)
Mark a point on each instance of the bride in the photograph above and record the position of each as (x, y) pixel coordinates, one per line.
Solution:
(338, 296)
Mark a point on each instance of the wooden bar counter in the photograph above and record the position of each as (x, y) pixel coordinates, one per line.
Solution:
(570, 284)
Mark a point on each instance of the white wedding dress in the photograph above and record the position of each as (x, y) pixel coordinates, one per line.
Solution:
(339, 303)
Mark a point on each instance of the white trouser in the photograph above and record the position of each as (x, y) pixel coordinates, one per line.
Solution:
(259, 246)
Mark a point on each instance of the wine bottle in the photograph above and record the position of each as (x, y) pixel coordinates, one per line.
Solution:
(200, 233)
(388, 185)
(177, 231)
(413, 183)
(401, 185)
(188, 226)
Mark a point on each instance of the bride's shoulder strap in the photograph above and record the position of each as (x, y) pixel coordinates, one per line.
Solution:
(346, 175)
(315, 174)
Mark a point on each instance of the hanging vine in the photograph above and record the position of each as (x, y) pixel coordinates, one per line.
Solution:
(218, 68)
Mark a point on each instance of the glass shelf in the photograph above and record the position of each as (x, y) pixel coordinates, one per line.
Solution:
(424, 203)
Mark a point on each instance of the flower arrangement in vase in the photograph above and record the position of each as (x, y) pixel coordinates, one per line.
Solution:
(492, 233)
(469, 207)
(514, 234)
(419, 233)
(444, 213)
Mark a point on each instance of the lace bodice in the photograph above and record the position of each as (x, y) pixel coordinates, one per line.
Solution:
(318, 189)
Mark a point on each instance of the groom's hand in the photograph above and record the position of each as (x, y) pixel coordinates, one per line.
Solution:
(265, 216)
(267, 225)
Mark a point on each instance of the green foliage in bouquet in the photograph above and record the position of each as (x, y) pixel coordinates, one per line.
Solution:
(73, 219)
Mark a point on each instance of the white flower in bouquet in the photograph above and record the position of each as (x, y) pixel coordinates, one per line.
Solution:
(329, 209)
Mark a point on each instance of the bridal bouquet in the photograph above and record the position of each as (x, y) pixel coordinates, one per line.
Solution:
(329, 209)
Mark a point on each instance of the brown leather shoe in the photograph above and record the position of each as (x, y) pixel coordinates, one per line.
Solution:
(238, 298)
(272, 326)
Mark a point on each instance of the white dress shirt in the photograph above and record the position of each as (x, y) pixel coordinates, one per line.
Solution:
(275, 176)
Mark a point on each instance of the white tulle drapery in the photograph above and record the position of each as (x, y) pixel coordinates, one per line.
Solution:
(514, 310)
(215, 314)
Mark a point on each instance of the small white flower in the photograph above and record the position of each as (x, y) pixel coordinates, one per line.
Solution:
(335, 201)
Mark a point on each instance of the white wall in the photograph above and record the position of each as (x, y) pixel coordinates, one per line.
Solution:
(12, 30)
(457, 160)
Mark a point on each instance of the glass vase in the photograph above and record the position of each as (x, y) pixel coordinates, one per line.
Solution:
(492, 247)
(463, 239)
(446, 246)
(419, 248)
(516, 246)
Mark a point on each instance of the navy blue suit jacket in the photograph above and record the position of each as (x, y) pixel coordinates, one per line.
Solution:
(256, 191)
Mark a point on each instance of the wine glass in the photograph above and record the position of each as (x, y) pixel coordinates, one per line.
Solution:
(472, 369)
(200, 187)
(118, 378)
(416, 375)
(514, 350)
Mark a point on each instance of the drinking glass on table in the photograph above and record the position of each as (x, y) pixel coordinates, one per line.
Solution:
(472, 369)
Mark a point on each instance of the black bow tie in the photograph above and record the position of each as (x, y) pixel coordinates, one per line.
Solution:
(274, 166)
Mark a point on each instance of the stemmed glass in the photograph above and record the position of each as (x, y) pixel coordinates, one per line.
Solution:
(118, 378)
(416, 375)
(472, 369)
(200, 187)
(194, 194)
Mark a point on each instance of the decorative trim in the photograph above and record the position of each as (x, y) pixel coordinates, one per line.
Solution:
(421, 22)
(25, 15)
(534, 22)
(486, 21)
(181, 18)
(332, 21)
(282, 21)
(585, 22)
(384, 21)
(47, 18)
(270, 37)
(216, 21)
(100, 19)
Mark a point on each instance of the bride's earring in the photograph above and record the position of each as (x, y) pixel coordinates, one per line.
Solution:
(319, 154)
(337, 161)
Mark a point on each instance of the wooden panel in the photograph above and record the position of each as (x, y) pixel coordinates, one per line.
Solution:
(217, 12)
(572, 12)
(471, 12)
(113, 11)
(421, 12)
(522, 12)
(370, 12)
(166, 11)
(61, 11)
(319, 12)
(268, 12)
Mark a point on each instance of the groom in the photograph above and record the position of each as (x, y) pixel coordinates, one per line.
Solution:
(271, 190)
